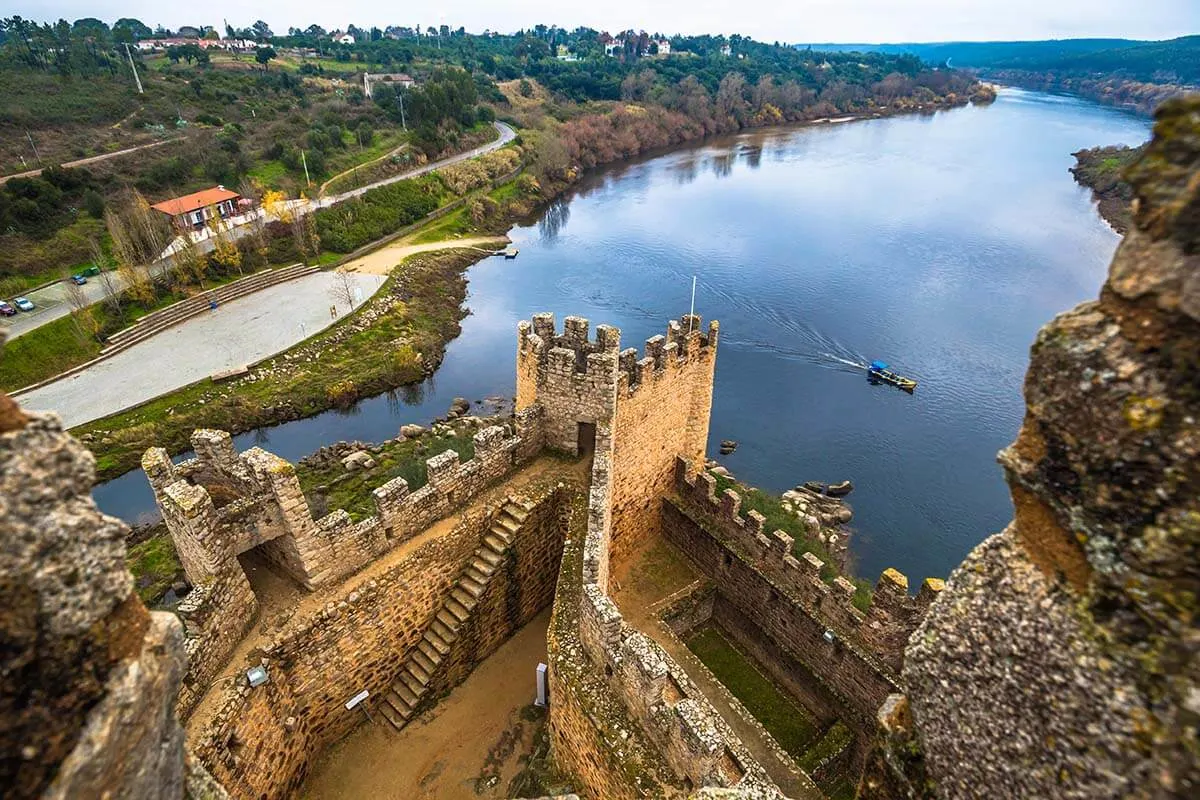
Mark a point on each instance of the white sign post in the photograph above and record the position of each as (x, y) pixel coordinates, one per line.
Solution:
(357, 700)
(541, 686)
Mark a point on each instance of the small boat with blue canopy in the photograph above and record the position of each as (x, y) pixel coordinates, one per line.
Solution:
(878, 372)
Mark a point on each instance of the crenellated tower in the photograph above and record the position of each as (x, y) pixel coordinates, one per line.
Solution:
(646, 410)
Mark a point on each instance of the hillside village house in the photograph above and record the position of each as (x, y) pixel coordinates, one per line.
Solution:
(195, 210)
(341, 38)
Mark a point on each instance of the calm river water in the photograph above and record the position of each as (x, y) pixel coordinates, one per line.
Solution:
(938, 243)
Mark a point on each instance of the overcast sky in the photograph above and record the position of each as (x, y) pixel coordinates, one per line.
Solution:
(769, 20)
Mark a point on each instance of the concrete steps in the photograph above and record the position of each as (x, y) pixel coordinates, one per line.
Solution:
(410, 688)
(159, 321)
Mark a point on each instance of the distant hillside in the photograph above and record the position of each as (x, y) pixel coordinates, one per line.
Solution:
(1131, 74)
(986, 54)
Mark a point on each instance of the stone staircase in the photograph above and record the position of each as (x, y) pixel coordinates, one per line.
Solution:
(160, 320)
(404, 698)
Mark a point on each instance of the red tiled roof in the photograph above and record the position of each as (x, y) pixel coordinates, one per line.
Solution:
(194, 201)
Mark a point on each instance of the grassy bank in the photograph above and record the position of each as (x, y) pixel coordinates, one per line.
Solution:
(329, 486)
(396, 338)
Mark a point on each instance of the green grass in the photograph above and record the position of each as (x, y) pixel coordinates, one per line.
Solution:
(789, 724)
(269, 173)
(779, 518)
(155, 566)
(397, 460)
(44, 352)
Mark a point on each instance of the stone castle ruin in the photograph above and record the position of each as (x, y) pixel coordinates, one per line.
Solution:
(1058, 661)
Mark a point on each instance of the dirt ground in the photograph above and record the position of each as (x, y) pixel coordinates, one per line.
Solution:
(470, 745)
(383, 260)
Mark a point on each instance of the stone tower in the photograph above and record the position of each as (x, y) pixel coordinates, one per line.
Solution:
(649, 410)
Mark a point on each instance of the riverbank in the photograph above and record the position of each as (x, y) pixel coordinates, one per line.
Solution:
(1101, 169)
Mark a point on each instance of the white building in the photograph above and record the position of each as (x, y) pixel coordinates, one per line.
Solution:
(342, 38)
(664, 47)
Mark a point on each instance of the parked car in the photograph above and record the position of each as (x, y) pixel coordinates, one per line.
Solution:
(6, 310)
(78, 280)
(23, 303)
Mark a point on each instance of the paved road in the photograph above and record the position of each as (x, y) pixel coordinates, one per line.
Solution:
(241, 331)
(51, 302)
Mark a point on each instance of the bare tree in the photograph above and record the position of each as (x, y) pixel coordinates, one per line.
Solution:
(304, 232)
(344, 289)
(102, 262)
(86, 324)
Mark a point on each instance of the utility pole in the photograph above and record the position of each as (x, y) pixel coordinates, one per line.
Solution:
(304, 161)
(400, 97)
(133, 67)
(29, 136)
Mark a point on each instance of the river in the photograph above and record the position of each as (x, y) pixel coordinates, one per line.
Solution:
(938, 243)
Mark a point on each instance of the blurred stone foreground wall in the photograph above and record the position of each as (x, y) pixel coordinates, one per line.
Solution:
(1063, 657)
(88, 676)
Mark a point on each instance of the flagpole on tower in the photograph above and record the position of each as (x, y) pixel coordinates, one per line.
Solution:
(692, 313)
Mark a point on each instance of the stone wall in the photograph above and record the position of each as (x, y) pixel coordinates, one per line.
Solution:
(267, 510)
(719, 535)
(261, 741)
(87, 675)
(664, 402)
(1061, 661)
(651, 689)
(858, 680)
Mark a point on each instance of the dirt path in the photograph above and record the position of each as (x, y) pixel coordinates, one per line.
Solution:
(384, 260)
(469, 745)
(278, 607)
(92, 159)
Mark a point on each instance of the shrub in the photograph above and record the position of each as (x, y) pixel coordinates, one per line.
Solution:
(353, 223)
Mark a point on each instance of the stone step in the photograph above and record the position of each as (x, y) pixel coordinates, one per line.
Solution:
(481, 565)
(430, 650)
(405, 696)
(507, 523)
(516, 512)
(396, 718)
(464, 599)
(425, 662)
(449, 622)
(476, 575)
(419, 672)
(413, 683)
(494, 543)
(489, 556)
(473, 587)
(440, 631)
(457, 609)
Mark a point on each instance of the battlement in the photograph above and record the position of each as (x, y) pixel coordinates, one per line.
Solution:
(880, 633)
(684, 343)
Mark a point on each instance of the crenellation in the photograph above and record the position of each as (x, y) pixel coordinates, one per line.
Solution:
(442, 468)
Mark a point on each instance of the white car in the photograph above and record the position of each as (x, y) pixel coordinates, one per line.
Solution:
(23, 303)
